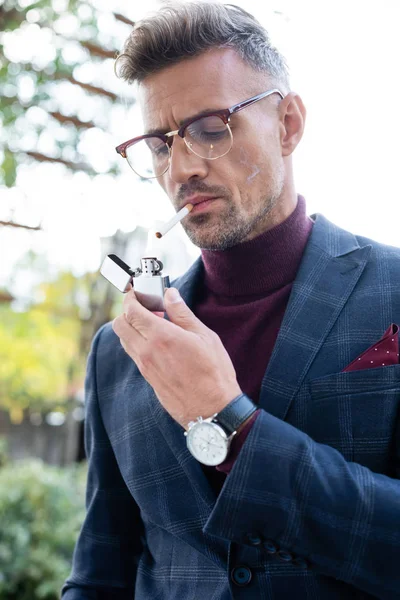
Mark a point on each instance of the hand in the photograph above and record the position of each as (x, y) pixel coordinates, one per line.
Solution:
(184, 361)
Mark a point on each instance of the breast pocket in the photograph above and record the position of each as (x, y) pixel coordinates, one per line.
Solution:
(357, 413)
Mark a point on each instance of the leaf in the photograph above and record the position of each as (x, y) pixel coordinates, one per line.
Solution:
(41, 512)
(9, 169)
(61, 70)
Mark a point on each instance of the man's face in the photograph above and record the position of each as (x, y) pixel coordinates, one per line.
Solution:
(247, 184)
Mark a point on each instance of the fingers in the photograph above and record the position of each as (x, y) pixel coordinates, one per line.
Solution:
(179, 312)
(131, 339)
(139, 317)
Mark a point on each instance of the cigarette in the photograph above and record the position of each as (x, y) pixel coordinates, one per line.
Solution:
(178, 217)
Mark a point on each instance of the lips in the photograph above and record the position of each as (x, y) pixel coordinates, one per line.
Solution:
(204, 205)
(195, 200)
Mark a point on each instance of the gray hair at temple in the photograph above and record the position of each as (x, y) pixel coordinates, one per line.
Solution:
(179, 31)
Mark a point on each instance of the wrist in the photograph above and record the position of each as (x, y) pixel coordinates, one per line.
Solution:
(243, 425)
(209, 439)
(213, 409)
(237, 444)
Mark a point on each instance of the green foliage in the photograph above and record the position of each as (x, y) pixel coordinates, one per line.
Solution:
(44, 347)
(3, 451)
(40, 51)
(36, 353)
(41, 512)
(8, 168)
(42, 363)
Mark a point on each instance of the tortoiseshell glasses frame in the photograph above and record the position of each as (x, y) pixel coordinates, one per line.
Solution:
(167, 138)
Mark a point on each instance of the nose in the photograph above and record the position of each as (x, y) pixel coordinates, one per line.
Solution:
(184, 164)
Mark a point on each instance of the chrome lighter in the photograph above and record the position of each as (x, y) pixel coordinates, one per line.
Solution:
(147, 280)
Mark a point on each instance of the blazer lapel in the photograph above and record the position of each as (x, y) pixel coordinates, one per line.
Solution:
(188, 286)
(333, 262)
(331, 266)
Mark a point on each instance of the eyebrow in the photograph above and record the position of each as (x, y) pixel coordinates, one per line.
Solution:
(202, 113)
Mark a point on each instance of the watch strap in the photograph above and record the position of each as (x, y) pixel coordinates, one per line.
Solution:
(235, 413)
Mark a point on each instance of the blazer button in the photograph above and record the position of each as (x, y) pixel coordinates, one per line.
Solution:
(285, 556)
(301, 562)
(270, 547)
(241, 576)
(254, 539)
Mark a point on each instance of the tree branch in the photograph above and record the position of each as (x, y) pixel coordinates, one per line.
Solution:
(5, 297)
(98, 50)
(70, 119)
(87, 86)
(71, 165)
(123, 19)
(12, 224)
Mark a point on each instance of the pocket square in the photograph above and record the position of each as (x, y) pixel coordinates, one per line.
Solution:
(383, 353)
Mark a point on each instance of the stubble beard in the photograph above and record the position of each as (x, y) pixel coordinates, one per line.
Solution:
(229, 228)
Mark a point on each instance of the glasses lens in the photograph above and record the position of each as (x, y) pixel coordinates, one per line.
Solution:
(209, 137)
(149, 157)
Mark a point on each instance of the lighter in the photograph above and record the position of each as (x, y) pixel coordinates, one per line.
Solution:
(149, 284)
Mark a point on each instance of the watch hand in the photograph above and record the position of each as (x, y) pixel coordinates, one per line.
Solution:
(209, 443)
(203, 440)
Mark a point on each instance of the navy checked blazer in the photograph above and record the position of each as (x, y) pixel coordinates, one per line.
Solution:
(311, 508)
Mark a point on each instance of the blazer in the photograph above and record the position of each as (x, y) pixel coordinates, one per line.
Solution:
(311, 508)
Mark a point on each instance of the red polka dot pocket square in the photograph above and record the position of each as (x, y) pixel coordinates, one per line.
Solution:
(383, 353)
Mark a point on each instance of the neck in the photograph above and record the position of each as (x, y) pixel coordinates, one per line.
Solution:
(263, 263)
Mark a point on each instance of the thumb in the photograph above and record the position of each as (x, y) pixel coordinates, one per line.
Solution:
(179, 312)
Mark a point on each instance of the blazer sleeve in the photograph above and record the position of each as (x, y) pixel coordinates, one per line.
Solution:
(306, 499)
(109, 545)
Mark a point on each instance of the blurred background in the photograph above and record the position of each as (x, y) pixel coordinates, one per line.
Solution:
(67, 199)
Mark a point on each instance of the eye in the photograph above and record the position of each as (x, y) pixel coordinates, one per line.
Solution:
(211, 135)
(157, 146)
(207, 129)
(161, 150)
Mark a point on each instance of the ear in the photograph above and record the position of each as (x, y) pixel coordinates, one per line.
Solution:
(292, 115)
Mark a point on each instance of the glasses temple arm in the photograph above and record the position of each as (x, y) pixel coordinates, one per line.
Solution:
(246, 103)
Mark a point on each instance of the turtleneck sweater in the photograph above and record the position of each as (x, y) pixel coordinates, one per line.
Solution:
(246, 291)
(244, 297)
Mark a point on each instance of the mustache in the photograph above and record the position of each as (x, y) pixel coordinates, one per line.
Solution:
(189, 189)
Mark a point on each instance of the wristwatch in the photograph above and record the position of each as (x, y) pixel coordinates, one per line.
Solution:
(209, 440)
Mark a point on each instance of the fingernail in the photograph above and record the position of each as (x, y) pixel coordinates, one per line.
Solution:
(174, 295)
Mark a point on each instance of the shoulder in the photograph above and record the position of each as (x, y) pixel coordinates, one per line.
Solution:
(109, 366)
(380, 250)
(337, 242)
(105, 340)
(106, 352)
(383, 264)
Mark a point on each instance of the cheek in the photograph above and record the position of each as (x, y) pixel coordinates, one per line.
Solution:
(165, 184)
(251, 165)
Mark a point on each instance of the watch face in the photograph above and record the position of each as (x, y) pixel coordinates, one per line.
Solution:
(208, 443)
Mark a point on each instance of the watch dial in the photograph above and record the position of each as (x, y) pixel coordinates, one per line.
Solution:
(207, 444)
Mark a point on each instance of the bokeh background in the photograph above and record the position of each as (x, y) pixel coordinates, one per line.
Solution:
(67, 199)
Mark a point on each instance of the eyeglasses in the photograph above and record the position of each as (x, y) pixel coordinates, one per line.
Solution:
(208, 136)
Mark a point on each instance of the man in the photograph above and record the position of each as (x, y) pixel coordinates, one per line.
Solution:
(285, 329)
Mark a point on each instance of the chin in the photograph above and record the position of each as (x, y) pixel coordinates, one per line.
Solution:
(217, 240)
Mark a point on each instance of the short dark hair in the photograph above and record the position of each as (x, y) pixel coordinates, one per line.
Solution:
(178, 31)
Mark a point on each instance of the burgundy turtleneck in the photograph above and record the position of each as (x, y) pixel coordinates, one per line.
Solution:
(246, 290)
(245, 294)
